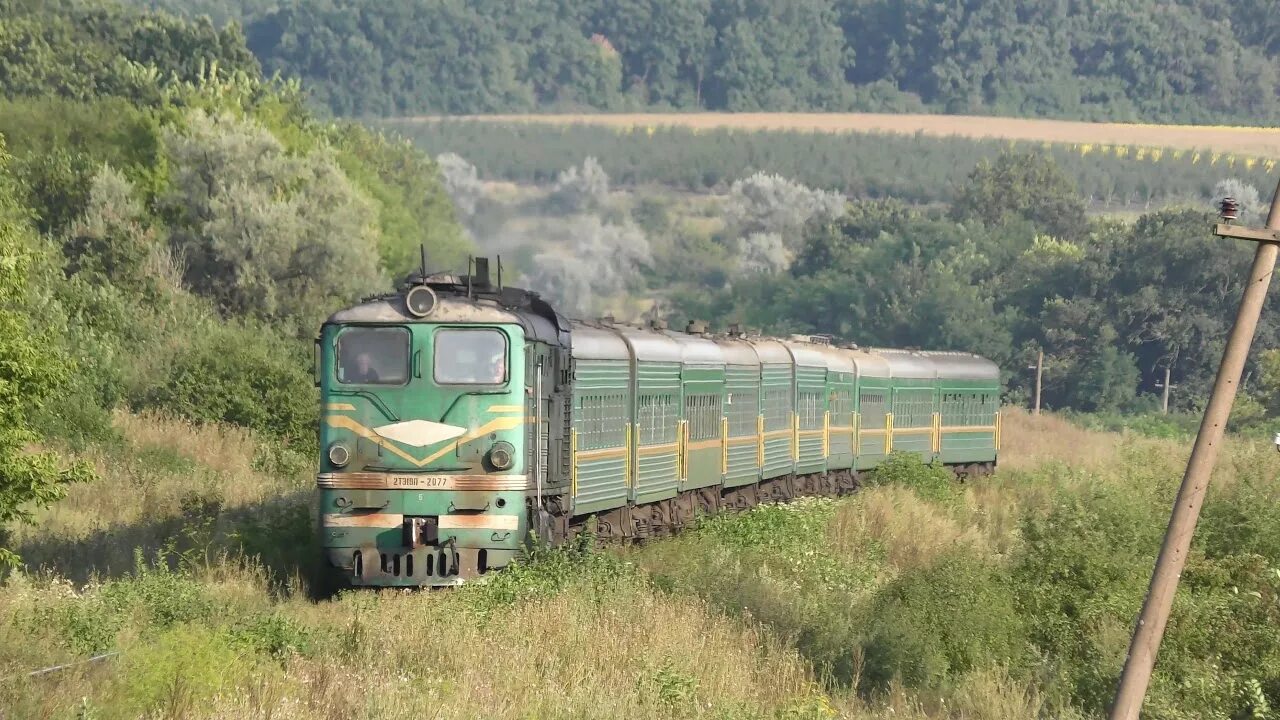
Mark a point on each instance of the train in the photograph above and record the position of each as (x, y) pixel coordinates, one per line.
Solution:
(462, 420)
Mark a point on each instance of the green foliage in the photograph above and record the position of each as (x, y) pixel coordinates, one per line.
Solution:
(937, 623)
(1083, 573)
(82, 50)
(276, 236)
(242, 375)
(32, 371)
(673, 688)
(1030, 58)
(1022, 185)
(1175, 426)
(169, 167)
(412, 206)
(545, 572)
(180, 671)
(275, 635)
(932, 481)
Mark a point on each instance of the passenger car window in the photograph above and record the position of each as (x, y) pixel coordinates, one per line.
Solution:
(373, 356)
(470, 357)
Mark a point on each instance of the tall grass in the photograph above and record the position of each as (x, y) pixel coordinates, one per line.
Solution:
(1004, 597)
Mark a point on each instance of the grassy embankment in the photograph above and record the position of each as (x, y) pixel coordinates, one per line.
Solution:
(1009, 597)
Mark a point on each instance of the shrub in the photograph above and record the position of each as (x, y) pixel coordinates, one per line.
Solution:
(580, 190)
(265, 233)
(179, 673)
(274, 634)
(1081, 574)
(931, 481)
(241, 374)
(934, 624)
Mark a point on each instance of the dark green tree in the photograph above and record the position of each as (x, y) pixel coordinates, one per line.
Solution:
(32, 369)
(1025, 185)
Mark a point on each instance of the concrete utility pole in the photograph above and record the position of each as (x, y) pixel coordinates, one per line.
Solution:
(1186, 509)
(1164, 402)
(1039, 367)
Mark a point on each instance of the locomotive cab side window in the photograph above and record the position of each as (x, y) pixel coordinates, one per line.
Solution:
(373, 356)
(470, 357)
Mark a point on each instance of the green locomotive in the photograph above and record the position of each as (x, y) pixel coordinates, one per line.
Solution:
(459, 416)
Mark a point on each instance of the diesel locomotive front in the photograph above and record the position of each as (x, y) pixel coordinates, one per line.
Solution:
(425, 472)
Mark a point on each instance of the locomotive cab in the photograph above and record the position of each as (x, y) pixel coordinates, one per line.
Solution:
(426, 431)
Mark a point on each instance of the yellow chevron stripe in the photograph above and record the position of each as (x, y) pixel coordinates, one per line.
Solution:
(346, 423)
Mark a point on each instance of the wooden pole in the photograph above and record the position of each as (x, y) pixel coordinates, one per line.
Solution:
(1039, 374)
(1149, 631)
(1164, 404)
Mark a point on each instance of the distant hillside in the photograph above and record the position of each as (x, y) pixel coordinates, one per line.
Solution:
(1187, 61)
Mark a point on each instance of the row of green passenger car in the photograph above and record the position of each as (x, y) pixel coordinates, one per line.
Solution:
(461, 418)
(657, 413)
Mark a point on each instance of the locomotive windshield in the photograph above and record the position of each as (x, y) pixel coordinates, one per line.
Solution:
(373, 356)
(470, 357)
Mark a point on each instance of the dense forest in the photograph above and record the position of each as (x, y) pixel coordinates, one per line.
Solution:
(1196, 61)
(172, 230)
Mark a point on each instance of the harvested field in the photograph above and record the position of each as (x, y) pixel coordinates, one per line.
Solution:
(1255, 141)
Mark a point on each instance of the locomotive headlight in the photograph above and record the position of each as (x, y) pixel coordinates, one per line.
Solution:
(339, 455)
(502, 455)
(420, 301)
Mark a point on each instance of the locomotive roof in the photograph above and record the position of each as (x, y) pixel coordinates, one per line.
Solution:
(462, 302)
(391, 309)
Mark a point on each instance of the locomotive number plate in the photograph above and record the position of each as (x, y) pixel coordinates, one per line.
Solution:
(427, 482)
(392, 481)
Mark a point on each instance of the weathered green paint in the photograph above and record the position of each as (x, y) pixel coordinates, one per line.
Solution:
(702, 432)
(840, 446)
(602, 484)
(656, 464)
(913, 404)
(351, 415)
(742, 385)
(871, 421)
(975, 406)
(778, 419)
(811, 382)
